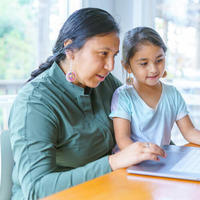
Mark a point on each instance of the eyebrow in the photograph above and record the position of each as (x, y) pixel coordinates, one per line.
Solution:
(143, 59)
(103, 48)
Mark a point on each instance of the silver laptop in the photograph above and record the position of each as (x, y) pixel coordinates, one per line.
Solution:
(182, 162)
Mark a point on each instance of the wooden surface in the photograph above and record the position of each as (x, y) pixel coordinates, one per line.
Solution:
(119, 185)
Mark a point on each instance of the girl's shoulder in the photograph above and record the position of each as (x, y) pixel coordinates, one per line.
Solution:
(126, 91)
(171, 92)
(169, 87)
(124, 88)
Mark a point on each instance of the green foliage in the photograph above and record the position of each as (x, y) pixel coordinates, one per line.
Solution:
(17, 46)
(23, 2)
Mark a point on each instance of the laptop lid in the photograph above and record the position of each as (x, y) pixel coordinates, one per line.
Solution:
(182, 162)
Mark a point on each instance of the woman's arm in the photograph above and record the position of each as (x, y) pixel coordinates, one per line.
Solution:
(189, 132)
(122, 132)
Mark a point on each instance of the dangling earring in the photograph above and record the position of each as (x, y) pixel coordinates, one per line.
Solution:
(129, 80)
(70, 75)
(165, 74)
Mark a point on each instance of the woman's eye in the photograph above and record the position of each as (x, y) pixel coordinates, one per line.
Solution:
(104, 53)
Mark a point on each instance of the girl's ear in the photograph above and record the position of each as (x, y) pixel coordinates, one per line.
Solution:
(69, 53)
(126, 67)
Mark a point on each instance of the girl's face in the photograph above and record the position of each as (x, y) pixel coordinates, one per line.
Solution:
(148, 64)
(95, 60)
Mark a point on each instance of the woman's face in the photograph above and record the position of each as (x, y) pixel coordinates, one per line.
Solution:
(95, 60)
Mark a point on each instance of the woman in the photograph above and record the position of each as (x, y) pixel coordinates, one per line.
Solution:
(61, 133)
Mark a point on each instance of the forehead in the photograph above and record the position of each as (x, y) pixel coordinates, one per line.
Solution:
(148, 51)
(109, 41)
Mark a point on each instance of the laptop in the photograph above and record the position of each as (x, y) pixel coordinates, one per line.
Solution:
(182, 162)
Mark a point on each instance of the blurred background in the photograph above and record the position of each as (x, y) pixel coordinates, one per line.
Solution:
(28, 30)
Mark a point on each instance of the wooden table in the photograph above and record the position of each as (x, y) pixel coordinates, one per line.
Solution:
(119, 185)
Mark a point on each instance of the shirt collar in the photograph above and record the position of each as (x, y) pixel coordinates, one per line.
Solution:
(58, 75)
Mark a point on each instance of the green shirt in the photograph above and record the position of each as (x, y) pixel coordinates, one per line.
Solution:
(61, 134)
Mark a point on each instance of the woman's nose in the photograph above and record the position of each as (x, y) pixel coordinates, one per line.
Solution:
(109, 65)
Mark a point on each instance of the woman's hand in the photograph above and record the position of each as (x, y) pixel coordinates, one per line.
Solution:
(136, 153)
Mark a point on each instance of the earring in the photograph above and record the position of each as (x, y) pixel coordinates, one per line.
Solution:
(165, 74)
(129, 80)
(70, 75)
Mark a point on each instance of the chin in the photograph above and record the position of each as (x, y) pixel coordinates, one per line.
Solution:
(93, 85)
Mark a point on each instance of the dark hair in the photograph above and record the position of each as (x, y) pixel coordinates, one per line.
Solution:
(136, 37)
(81, 25)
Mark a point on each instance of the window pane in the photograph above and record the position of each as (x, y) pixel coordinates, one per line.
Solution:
(28, 30)
(178, 24)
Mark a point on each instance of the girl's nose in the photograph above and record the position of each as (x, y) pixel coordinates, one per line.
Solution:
(153, 68)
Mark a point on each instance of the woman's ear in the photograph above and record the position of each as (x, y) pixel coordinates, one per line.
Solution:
(69, 52)
(126, 67)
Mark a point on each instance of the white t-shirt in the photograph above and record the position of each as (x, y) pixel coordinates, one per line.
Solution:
(148, 124)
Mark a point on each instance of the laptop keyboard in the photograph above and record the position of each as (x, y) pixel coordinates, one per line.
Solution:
(189, 163)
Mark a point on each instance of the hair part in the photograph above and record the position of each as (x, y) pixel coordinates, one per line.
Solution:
(137, 37)
(79, 27)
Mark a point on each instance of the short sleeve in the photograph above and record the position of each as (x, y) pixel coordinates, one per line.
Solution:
(182, 110)
(120, 105)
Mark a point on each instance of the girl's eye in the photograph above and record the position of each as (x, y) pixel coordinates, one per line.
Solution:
(159, 60)
(143, 64)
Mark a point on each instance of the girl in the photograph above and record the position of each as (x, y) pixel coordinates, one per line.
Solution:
(145, 109)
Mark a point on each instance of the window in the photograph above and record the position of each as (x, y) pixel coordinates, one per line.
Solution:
(28, 30)
(178, 24)
(28, 35)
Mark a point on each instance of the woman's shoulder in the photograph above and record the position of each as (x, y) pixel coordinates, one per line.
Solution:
(112, 81)
(27, 94)
(35, 90)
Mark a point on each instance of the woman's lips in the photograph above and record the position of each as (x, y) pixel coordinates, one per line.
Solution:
(101, 77)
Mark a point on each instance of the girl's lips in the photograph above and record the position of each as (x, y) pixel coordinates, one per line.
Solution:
(152, 77)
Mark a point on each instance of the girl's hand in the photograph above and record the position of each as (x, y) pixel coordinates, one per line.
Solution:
(136, 153)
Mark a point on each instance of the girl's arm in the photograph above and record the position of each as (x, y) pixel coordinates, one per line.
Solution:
(122, 132)
(189, 132)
